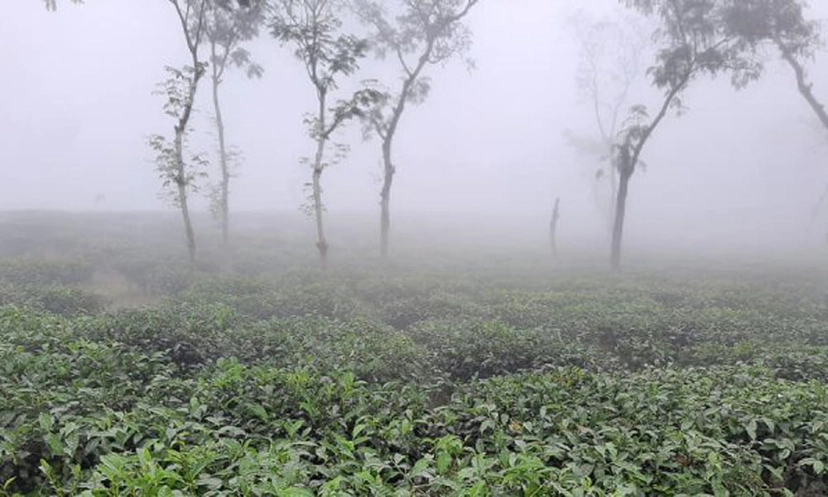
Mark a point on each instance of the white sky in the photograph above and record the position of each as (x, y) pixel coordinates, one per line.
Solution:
(76, 108)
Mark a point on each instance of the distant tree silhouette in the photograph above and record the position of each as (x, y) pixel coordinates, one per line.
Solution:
(417, 34)
(314, 29)
(691, 41)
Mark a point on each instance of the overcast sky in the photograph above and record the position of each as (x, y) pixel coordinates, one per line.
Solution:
(76, 108)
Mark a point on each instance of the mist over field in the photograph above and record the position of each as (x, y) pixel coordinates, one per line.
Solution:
(488, 149)
(432, 248)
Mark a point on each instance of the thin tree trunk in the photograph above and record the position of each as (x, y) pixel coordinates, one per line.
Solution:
(181, 128)
(613, 178)
(805, 88)
(225, 168)
(188, 226)
(181, 183)
(412, 75)
(385, 196)
(321, 241)
(627, 162)
(553, 228)
(316, 184)
(618, 225)
(388, 140)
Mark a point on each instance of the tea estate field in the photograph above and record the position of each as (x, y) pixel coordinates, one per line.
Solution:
(124, 372)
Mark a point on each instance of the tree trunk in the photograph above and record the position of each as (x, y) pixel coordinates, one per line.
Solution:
(316, 183)
(628, 160)
(224, 206)
(385, 196)
(181, 183)
(321, 241)
(804, 87)
(188, 225)
(613, 178)
(620, 212)
(553, 228)
(193, 40)
(387, 142)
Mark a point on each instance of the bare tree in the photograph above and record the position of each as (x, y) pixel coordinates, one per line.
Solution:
(611, 53)
(178, 173)
(313, 28)
(416, 33)
(225, 30)
(691, 42)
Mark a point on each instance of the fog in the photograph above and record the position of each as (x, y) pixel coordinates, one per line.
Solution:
(486, 151)
(151, 348)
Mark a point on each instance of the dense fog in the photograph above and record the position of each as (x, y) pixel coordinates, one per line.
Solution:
(539, 248)
(487, 151)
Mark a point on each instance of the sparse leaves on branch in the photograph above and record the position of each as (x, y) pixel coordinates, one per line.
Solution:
(784, 26)
(691, 41)
(177, 89)
(612, 51)
(415, 34)
(781, 24)
(53, 4)
(778, 21)
(173, 175)
(313, 28)
(225, 30)
(179, 172)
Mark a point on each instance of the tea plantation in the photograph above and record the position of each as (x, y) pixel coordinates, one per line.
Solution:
(419, 379)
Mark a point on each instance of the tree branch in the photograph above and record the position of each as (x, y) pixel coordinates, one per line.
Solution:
(659, 117)
(805, 88)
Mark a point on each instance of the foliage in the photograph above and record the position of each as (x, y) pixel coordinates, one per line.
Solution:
(691, 41)
(420, 380)
(784, 25)
(52, 4)
(782, 22)
(178, 172)
(41, 272)
(314, 28)
(612, 50)
(416, 34)
(225, 31)
(175, 172)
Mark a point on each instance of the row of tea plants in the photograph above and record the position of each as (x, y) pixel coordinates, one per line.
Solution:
(413, 381)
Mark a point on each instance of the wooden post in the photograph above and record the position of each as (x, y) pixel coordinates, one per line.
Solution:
(553, 228)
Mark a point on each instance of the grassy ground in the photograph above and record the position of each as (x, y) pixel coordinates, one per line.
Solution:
(122, 372)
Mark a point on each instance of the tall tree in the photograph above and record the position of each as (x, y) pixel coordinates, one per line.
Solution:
(177, 172)
(225, 31)
(314, 29)
(784, 25)
(691, 42)
(611, 62)
(417, 34)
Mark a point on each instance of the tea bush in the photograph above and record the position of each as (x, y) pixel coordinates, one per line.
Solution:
(420, 380)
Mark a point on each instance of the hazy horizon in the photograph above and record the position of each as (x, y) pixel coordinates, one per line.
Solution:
(487, 147)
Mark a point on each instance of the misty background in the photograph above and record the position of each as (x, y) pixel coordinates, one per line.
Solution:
(486, 152)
